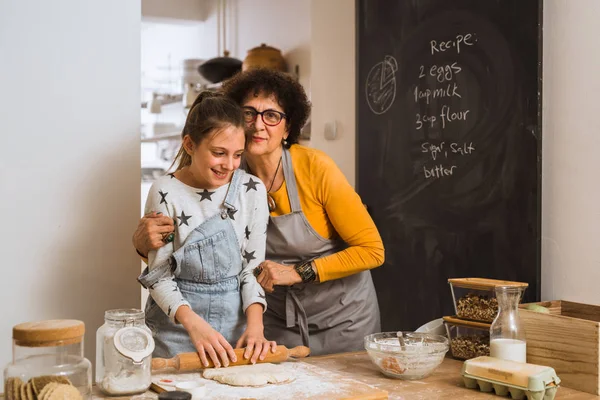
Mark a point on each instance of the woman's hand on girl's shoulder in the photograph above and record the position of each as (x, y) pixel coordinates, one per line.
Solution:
(152, 232)
(257, 346)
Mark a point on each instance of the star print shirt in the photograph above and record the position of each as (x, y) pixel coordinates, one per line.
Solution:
(190, 207)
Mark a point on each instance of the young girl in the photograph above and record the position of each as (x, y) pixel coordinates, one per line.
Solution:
(201, 284)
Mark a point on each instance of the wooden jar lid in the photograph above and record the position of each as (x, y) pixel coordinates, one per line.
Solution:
(49, 333)
(483, 283)
(466, 322)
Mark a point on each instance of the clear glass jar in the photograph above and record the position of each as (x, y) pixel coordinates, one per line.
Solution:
(468, 339)
(507, 333)
(124, 347)
(475, 298)
(50, 349)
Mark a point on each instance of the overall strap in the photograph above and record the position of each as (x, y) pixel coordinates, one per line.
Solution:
(232, 192)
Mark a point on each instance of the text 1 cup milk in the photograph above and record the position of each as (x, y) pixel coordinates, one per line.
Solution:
(509, 349)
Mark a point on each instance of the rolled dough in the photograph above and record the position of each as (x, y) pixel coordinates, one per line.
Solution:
(250, 375)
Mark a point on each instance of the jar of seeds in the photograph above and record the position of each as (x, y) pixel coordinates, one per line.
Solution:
(475, 298)
(468, 339)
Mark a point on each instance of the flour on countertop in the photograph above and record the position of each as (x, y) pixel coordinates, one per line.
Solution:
(311, 382)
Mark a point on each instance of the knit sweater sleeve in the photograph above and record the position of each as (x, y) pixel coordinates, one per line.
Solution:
(350, 219)
(165, 291)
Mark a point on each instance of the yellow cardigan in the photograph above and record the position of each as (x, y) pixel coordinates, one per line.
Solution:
(333, 209)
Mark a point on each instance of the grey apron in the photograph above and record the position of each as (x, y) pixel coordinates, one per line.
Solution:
(328, 317)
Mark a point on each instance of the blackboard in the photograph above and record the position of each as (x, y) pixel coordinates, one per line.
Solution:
(449, 146)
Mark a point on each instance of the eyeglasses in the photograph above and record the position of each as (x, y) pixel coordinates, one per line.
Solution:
(269, 117)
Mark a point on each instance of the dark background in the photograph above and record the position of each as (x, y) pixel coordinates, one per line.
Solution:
(483, 220)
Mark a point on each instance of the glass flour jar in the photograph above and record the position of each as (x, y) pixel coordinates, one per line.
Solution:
(124, 347)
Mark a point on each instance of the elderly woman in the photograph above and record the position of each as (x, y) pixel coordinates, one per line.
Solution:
(321, 241)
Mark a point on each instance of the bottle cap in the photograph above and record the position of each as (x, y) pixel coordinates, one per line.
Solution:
(175, 395)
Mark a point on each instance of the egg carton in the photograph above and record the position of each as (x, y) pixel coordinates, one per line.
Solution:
(515, 392)
(520, 380)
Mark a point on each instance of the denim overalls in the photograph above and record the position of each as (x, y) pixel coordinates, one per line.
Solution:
(206, 270)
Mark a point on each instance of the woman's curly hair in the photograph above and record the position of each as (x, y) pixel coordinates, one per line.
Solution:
(287, 91)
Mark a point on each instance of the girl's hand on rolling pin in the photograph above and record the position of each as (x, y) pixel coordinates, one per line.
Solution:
(206, 339)
(257, 346)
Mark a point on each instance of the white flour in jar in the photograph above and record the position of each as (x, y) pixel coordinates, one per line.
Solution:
(121, 374)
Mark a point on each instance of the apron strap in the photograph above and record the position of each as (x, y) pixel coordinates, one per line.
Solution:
(290, 181)
(294, 310)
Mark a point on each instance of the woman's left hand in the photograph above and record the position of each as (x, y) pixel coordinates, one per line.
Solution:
(256, 344)
(274, 274)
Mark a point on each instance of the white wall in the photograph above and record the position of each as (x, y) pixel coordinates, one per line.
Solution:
(174, 10)
(283, 24)
(164, 47)
(571, 185)
(69, 161)
(333, 69)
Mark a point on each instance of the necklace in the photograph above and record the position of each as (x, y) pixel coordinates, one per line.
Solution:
(270, 199)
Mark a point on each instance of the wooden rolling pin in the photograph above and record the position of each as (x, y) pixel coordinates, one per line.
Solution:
(191, 361)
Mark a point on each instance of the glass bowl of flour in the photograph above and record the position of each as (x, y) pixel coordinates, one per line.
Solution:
(406, 355)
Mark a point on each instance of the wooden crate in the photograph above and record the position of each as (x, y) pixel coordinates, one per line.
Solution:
(568, 340)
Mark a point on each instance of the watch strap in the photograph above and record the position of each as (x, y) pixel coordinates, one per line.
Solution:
(306, 271)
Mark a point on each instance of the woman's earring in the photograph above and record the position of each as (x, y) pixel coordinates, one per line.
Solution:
(284, 142)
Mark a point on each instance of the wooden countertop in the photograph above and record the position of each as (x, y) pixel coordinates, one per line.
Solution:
(444, 383)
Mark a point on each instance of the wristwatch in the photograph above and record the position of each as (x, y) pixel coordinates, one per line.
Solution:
(306, 271)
